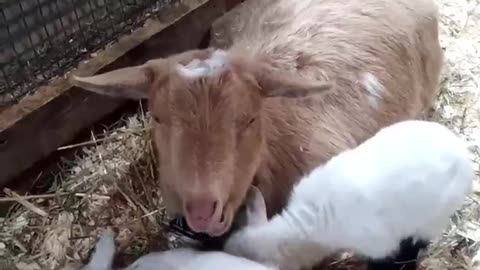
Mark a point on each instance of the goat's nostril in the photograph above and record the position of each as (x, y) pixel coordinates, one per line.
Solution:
(215, 204)
(222, 219)
(201, 209)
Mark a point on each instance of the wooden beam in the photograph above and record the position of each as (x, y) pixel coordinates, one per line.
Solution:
(41, 123)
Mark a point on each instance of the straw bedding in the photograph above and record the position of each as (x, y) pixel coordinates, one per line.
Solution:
(112, 181)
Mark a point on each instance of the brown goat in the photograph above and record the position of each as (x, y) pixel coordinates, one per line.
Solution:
(302, 81)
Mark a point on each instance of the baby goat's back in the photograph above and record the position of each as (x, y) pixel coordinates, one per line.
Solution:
(424, 170)
(189, 259)
(406, 181)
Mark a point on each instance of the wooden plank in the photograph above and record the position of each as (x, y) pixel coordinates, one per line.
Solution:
(37, 126)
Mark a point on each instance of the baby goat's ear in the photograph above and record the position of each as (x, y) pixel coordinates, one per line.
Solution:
(274, 83)
(256, 209)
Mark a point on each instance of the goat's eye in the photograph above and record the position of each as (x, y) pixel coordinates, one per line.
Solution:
(156, 119)
(244, 124)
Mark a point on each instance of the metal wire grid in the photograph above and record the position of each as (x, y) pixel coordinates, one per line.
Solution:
(40, 39)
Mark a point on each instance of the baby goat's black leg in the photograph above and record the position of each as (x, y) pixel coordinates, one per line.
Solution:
(405, 259)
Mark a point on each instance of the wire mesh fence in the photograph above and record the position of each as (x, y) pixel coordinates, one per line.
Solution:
(40, 39)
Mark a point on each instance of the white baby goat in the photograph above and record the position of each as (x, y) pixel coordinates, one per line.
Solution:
(175, 259)
(385, 200)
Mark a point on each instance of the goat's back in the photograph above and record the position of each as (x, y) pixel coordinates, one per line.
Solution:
(384, 53)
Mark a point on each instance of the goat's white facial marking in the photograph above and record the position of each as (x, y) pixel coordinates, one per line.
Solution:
(204, 68)
(373, 87)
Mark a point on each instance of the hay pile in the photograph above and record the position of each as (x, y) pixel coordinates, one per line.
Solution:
(47, 231)
(112, 184)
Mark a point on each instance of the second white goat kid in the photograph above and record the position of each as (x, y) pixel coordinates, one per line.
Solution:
(385, 200)
(175, 259)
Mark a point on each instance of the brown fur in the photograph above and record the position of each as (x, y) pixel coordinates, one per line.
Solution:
(287, 49)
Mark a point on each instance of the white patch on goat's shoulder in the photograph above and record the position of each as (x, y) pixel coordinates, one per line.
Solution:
(204, 68)
(374, 88)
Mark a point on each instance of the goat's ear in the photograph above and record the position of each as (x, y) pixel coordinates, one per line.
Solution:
(130, 82)
(256, 209)
(274, 83)
(135, 82)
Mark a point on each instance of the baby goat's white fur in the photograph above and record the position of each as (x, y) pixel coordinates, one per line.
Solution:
(176, 259)
(406, 181)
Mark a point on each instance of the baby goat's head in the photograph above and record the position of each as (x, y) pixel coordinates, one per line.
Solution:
(208, 125)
